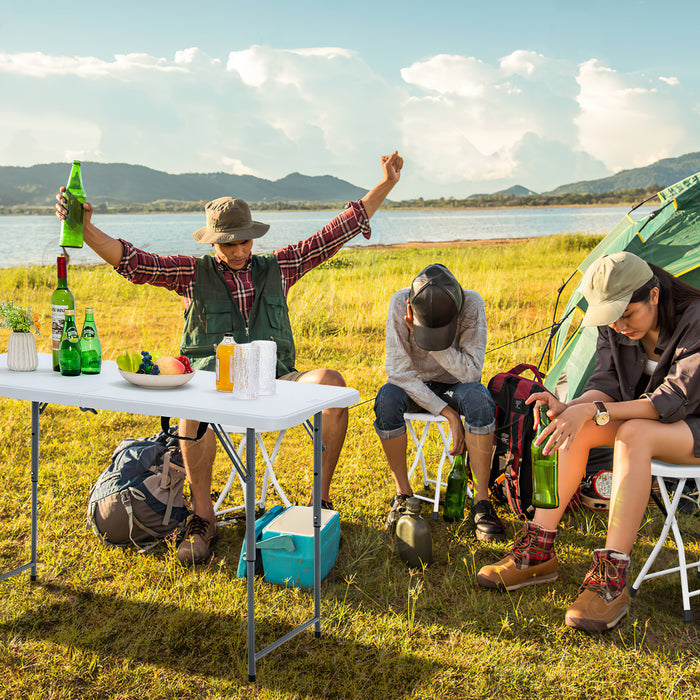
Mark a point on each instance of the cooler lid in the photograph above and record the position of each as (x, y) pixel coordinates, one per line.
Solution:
(298, 520)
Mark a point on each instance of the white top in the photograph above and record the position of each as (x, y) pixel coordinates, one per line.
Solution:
(293, 403)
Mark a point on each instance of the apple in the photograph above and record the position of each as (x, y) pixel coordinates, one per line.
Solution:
(170, 365)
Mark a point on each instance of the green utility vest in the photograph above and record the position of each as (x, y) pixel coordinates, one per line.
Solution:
(213, 312)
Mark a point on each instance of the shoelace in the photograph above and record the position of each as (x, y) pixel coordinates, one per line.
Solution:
(601, 575)
(197, 526)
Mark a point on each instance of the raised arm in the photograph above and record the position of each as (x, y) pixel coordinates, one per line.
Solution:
(109, 249)
(391, 165)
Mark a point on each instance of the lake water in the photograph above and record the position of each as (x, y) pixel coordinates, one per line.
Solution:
(33, 240)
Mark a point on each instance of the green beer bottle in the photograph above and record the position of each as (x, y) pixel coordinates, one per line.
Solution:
(72, 225)
(61, 299)
(90, 347)
(545, 470)
(69, 349)
(456, 491)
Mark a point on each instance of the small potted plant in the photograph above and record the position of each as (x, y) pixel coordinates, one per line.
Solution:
(21, 345)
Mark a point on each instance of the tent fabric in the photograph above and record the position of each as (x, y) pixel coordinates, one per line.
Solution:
(668, 237)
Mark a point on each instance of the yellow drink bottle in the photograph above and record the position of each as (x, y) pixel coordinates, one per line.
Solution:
(224, 354)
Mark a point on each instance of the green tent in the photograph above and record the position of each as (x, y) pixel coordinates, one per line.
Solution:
(668, 237)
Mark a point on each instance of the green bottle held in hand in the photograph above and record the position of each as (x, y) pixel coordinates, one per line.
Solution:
(90, 347)
(545, 470)
(72, 225)
(61, 299)
(69, 349)
(456, 491)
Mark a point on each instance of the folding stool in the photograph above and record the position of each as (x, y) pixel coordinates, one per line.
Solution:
(681, 473)
(429, 419)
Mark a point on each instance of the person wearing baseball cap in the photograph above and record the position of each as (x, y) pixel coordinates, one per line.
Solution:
(244, 294)
(643, 398)
(435, 346)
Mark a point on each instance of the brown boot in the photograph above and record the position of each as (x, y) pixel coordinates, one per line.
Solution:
(531, 560)
(603, 599)
(200, 535)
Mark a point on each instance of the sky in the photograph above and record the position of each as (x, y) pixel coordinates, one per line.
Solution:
(476, 96)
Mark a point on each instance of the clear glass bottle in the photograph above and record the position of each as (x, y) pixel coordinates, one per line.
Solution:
(69, 349)
(456, 491)
(90, 346)
(414, 543)
(61, 300)
(72, 225)
(224, 354)
(545, 470)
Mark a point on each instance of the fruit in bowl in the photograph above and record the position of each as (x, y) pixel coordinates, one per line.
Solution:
(153, 364)
(170, 365)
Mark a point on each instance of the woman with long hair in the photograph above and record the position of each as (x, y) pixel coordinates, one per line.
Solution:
(643, 399)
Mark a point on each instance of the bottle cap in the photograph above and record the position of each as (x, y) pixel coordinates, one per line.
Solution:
(414, 505)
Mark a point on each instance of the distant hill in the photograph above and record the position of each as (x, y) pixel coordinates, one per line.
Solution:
(517, 191)
(122, 184)
(661, 174)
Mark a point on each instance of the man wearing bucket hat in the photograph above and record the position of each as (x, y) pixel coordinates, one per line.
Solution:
(236, 291)
(644, 400)
(435, 346)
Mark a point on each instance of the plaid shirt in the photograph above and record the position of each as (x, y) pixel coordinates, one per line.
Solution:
(178, 272)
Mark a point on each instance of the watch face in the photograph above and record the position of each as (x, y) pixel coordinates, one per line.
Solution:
(602, 418)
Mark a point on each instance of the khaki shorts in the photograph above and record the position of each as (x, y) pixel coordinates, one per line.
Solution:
(293, 376)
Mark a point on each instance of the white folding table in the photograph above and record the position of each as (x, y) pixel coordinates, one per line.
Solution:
(292, 405)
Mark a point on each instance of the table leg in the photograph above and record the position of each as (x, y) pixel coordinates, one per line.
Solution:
(318, 450)
(250, 546)
(35, 485)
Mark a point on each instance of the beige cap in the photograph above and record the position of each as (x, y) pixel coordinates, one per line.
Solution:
(609, 284)
(229, 220)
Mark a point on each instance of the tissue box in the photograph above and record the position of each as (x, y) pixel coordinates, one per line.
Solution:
(287, 546)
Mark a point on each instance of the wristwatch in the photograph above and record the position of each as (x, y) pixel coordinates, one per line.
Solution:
(602, 417)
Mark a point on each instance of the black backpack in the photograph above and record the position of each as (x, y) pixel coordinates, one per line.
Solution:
(511, 468)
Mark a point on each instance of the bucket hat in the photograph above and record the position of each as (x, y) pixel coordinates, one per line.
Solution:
(436, 300)
(229, 220)
(609, 284)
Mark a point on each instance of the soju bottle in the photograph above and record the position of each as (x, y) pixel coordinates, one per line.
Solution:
(72, 225)
(90, 348)
(61, 300)
(69, 349)
(545, 470)
(456, 491)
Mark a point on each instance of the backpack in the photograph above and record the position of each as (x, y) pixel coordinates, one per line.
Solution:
(138, 500)
(511, 467)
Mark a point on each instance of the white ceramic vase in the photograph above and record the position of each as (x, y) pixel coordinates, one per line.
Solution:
(21, 352)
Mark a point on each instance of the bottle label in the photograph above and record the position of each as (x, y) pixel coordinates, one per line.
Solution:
(88, 332)
(57, 320)
(72, 335)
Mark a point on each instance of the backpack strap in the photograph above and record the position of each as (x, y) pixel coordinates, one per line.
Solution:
(172, 432)
(125, 498)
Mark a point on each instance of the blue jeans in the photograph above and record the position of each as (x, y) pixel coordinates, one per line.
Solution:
(472, 400)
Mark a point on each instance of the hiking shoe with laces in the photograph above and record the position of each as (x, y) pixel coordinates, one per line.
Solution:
(199, 536)
(531, 560)
(398, 508)
(603, 599)
(487, 524)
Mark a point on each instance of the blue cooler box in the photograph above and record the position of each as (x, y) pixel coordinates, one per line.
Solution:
(287, 546)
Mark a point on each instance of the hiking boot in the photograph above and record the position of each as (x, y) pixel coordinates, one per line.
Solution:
(531, 560)
(398, 508)
(199, 536)
(603, 599)
(487, 524)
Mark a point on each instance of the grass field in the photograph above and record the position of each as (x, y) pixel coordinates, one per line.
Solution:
(110, 623)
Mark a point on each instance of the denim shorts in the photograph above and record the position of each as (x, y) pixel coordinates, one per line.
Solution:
(472, 400)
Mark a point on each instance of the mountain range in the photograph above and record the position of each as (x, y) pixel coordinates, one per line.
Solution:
(120, 184)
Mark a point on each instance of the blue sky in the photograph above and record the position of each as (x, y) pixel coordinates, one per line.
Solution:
(476, 96)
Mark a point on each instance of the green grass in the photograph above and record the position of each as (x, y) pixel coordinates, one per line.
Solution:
(109, 623)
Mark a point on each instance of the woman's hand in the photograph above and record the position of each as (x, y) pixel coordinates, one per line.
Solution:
(544, 398)
(564, 427)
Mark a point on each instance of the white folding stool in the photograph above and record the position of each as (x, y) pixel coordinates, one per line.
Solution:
(680, 472)
(237, 456)
(429, 419)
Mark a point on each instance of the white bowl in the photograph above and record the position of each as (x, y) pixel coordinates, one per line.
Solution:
(157, 381)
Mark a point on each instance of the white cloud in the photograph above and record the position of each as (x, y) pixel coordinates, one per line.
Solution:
(669, 81)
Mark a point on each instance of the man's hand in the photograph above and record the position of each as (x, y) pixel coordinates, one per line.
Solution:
(391, 165)
(62, 212)
(459, 445)
(409, 315)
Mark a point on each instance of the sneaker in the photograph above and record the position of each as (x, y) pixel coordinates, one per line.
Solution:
(603, 599)
(487, 524)
(398, 508)
(199, 536)
(531, 560)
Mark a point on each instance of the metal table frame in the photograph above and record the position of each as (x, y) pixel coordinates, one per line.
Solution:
(196, 400)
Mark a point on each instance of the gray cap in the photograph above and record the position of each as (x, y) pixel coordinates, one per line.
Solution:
(229, 220)
(609, 284)
(436, 300)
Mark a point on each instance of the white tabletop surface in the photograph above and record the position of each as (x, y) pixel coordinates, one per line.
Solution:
(292, 404)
